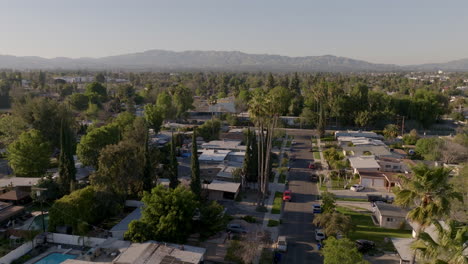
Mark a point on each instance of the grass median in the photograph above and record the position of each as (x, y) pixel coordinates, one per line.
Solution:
(277, 202)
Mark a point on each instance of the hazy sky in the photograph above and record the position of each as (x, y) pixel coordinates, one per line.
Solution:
(382, 31)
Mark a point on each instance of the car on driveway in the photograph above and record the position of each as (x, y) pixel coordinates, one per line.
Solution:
(357, 188)
(319, 235)
(312, 165)
(287, 196)
(364, 245)
(317, 209)
(282, 244)
(236, 228)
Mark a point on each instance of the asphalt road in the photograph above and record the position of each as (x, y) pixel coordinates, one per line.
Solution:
(297, 215)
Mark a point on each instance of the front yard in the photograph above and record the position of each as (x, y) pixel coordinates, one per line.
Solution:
(365, 229)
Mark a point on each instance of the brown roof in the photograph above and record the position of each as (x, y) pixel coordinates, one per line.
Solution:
(389, 159)
(11, 211)
(373, 174)
(14, 195)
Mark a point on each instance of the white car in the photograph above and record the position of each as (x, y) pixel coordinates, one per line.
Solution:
(282, 245)
(357, 188)
(319, 235)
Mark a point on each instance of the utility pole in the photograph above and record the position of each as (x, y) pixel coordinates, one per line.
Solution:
(41, 200)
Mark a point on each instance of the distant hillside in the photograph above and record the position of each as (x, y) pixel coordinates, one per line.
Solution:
(456, 65)
(161, 60)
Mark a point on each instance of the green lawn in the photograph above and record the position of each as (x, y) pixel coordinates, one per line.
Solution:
(323, 188)
(276, 209)
(316, 155)
(282, 178)
(365, 229)
(351, 199)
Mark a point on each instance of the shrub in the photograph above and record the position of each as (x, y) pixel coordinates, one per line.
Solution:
(249, 219)
(272, 223)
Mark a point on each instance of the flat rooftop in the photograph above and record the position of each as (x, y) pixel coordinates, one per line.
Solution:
(363, 162)
(213, 155)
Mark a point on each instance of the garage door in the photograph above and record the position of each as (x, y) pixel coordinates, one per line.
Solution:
(378, 183)
(366, 182)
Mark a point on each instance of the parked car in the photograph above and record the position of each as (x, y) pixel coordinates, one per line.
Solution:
(364, 245)
(311, 165)
(236, 228)
(379, 198)
(293, 142)
(317, 209)
(282, 244)
(314, 178)
(357, 188)
(319, 235)
(287, 196)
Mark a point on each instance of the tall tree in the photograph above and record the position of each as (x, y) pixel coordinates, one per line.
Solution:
(154, 116)
(334, 223)
(264, 112)
(270, 83)
(120, 170)
(94, 141)
(29, 155)
(341, 251)
(166, 216)
(247, 166)
(195, 183)
(148, 170)
(67, 170)
(173, 166)
(429, 193)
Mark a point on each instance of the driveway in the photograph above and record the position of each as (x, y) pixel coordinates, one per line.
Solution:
(297, 215)
(362, 194)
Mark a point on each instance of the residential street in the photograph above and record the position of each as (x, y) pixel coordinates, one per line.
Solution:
(297, 215)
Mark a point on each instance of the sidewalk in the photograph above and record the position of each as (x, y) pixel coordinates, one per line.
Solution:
(274, 187)
(324, 165)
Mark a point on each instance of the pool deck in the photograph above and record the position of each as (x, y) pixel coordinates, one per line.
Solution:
(54, 249)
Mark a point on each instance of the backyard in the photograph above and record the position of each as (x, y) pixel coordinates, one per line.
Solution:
(365, 229)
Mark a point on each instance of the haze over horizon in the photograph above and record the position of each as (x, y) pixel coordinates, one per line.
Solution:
(397, 32)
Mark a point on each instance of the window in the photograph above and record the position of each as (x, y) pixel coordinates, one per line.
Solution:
(395, 167)
(388, 166)
(389, 219)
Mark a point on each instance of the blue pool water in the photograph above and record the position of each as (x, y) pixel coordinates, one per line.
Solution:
(55, 258)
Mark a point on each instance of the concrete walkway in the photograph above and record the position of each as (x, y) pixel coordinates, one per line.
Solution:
(324, 164)
(273, 188)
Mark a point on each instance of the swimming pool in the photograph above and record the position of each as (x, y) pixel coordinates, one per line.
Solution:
(55, 258)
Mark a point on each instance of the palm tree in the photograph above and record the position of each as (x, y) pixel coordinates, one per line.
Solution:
(429, 194)
(448, 247)
(334, 223)
(264, 112)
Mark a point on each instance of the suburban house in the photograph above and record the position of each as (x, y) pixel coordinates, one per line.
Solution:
(364, 134)
(222, 190)
(376, 150)
(16, 196)
(390, 216)
(379, 179)
(390, 164)
(9, 211)
(233, 145)
(118, 231)
(364, 163)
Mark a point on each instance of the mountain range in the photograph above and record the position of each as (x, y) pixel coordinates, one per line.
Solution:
(163, 60)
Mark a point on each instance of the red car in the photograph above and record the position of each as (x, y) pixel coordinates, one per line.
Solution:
(311, 165)
(287, 196)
